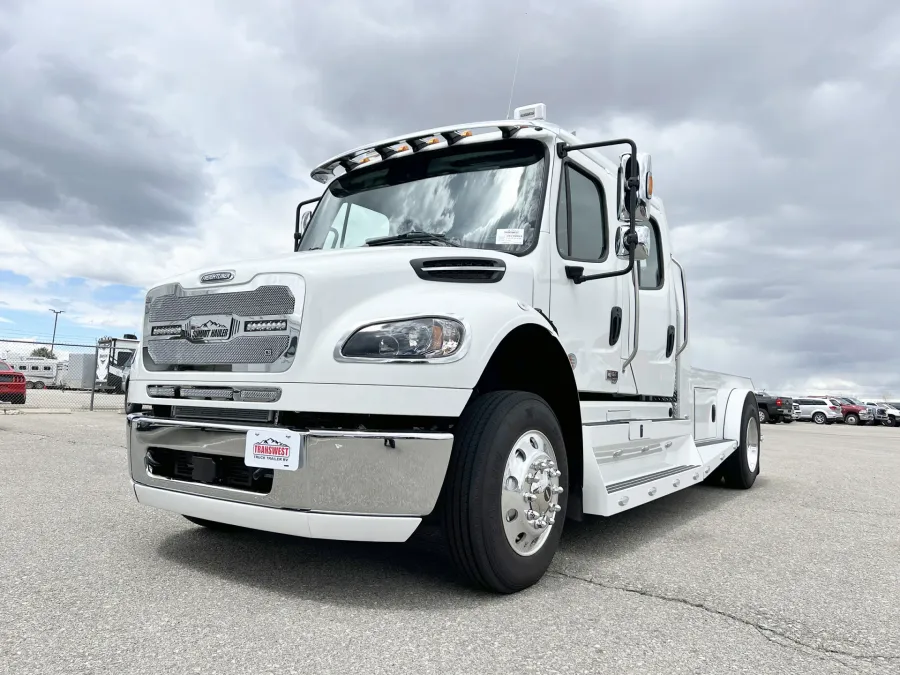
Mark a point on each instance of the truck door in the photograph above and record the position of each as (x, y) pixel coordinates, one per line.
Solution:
(654, 364)
(592, 317)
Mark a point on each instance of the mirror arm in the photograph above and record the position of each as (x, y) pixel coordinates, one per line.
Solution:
(297, 234)
(576, 274)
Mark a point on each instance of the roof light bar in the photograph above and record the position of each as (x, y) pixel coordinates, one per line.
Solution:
(413, 143)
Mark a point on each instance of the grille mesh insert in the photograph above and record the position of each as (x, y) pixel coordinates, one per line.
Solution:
(242, 349)
(263, 301)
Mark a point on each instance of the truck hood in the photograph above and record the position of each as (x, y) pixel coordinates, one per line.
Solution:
(339, 292)
(372, 270)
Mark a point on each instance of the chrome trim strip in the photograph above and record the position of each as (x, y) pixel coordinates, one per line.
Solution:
(146, 422)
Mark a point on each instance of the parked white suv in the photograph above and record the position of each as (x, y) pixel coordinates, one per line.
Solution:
(819, 410)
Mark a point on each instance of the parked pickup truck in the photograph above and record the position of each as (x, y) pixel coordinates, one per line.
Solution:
(774, 409)
(855, 412)
(480, 325)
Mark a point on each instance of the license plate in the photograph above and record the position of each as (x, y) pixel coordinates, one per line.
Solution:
(274, 449)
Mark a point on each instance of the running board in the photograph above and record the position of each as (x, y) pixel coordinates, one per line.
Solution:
(695, 463)
(648, 478)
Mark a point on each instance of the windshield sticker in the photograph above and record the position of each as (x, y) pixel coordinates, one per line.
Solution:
(514, 236)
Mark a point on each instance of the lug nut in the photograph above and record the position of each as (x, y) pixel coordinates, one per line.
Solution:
(557, 490)
(530, 496)
(551, 520)
(531, 515)
(557, 473)
(555, 508)
(551, 464)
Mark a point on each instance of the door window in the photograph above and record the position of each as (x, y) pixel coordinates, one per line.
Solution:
(581, 217)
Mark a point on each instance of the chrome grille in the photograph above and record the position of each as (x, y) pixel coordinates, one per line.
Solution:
(263, 301)
(242, 349)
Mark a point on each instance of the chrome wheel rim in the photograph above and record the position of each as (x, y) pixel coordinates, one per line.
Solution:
(819, 418)
(752, 445)
(762, 416)
(851, 419)
(529, 499)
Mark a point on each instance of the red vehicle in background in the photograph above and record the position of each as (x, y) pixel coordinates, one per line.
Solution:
(12, 384)
(853, 411)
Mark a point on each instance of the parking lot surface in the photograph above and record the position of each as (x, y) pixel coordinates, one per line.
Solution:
(797, 575)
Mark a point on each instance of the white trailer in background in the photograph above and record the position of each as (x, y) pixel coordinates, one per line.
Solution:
(40, 372)
(481, 325)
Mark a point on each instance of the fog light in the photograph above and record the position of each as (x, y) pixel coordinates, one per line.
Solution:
(260, 326)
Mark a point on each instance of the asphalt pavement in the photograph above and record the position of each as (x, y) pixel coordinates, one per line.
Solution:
(797, 575)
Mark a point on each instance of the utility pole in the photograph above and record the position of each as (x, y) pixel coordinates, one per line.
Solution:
(56, 313)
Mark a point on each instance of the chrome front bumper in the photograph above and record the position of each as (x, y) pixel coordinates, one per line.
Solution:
(342, 472)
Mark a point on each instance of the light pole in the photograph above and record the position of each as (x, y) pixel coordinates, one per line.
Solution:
(56, 313)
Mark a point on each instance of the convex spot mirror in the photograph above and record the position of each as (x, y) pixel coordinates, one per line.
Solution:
(642, 250)
(644, 192)
(304, 221)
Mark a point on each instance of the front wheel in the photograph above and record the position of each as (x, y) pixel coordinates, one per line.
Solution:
(763, 416)
(507, 490)
(819, 418)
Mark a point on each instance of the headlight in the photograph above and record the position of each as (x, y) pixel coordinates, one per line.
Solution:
(425, 338)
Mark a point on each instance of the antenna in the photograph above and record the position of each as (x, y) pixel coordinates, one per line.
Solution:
(515, 72)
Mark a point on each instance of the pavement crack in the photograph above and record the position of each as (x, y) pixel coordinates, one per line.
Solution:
(773, 635)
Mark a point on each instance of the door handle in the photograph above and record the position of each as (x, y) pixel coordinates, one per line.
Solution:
(670, 341)
(615, 325)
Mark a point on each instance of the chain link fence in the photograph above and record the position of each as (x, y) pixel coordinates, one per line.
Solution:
(62, 375)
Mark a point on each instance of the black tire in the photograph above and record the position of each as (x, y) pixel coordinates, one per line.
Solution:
(763, 416)
(787, 420)
(213, 525)
(472, 519)
(736, 468)
(778, 419)
(851, 419)
(819, 418)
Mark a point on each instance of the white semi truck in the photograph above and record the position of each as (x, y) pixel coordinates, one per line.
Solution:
(480, 325)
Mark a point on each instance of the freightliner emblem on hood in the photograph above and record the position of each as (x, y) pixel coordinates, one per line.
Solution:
(216, 277)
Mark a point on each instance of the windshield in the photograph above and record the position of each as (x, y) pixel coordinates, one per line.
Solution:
(853, 401)
(3, 366)
(486, 196)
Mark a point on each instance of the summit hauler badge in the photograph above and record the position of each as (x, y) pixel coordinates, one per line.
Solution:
(273, 449)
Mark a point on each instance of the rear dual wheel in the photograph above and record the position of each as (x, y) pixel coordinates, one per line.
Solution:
(507, 491)
(741, 468)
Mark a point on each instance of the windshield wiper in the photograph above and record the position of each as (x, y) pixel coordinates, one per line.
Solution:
(415, 236)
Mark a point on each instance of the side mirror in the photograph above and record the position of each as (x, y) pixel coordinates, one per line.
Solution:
(302, 220)
(641, 249)
(644, 193)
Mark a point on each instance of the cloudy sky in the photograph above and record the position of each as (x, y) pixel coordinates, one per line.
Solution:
(143, 139)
